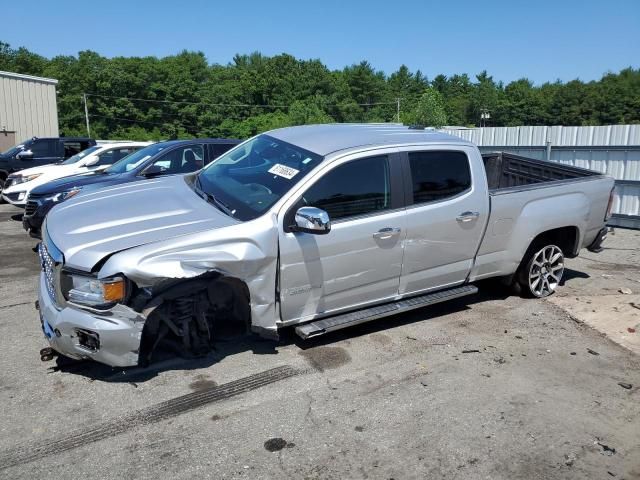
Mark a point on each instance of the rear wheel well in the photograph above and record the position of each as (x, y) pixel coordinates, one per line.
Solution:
(564, 237)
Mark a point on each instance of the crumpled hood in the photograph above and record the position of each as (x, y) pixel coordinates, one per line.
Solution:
(93, 225)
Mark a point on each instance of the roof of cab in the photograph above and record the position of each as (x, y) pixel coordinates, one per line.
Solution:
(333, 137)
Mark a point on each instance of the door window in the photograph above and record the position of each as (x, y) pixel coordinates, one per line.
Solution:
(356, 188)
(218, 149)
(439, 175)
(181, 160)
(112, 156)
(72, 148)
(43, 148)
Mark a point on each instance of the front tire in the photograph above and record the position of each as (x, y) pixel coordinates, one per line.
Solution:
(541, 271)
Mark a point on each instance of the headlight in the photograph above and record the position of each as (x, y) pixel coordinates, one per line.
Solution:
(88, 290)
(59, 197)
(18, 179)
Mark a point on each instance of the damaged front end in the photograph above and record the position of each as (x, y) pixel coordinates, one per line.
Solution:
(178, 295)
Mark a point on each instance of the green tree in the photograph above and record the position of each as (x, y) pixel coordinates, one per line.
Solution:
(182, 95)
(429, 110)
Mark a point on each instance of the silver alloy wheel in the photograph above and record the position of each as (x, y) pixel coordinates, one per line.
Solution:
(546, 271)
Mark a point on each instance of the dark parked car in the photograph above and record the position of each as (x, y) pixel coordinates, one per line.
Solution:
(40, 151)
(162, 158)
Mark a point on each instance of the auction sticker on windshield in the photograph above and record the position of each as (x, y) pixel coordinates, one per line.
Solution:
(283, 171)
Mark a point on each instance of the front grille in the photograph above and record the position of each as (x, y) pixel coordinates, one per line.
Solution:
(36, 196)
(30, 208)
(48, 267)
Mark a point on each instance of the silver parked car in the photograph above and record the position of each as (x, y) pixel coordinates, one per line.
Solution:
(320, 227)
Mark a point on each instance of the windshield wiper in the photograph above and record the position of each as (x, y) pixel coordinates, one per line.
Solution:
(213, 200)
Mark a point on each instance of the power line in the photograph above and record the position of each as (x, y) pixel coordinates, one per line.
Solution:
(240, 105)
(132, 120)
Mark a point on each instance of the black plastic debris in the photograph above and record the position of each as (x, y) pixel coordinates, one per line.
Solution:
(627, 386)
(592, 352)
(606, 449)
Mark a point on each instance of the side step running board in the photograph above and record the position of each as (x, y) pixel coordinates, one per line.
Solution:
(319, 327)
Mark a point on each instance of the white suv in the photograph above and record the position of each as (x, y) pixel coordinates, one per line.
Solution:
(93, 158)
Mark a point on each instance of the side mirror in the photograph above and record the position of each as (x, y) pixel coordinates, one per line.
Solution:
(92, 160)
(24, 155)
(152, 171)
(312, 220)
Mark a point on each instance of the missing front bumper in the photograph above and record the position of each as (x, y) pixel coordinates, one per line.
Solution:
(111, 337)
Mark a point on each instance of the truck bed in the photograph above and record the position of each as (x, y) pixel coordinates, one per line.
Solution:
(506, 171)
(528, 196)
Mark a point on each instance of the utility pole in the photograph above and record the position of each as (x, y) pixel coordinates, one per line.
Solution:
(398, 109)
(86, 114)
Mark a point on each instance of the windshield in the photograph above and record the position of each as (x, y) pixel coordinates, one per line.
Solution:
(18, 148)
(79, 156)
(251, 178)
(134, 160)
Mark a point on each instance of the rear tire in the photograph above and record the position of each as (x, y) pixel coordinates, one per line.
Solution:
(541, 270)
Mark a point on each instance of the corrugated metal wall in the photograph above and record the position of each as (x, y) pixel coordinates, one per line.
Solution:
(604, 135)
(610, 149)
(28, 106)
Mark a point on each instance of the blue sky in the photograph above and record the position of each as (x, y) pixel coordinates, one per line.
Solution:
(542, 40)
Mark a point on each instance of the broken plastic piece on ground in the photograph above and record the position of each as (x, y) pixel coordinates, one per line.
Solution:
(625, 291)
(592, 352)
(606, 448)
(627, 386)
(470, 351)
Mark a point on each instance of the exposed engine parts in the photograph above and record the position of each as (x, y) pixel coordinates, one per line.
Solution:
(192, 314)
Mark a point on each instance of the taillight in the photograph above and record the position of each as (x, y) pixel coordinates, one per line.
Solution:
(607, 216)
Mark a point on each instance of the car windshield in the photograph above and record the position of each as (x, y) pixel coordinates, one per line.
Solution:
(249, 179)
(79, 156)
(18, 148)
(134, 160)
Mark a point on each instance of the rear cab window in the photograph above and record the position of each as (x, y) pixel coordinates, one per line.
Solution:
(438, 175)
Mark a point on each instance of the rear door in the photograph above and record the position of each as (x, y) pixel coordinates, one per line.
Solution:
(359, 261)
(45, 151)
(447, 210)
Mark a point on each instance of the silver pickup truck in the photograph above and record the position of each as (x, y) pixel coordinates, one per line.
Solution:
(318, 227)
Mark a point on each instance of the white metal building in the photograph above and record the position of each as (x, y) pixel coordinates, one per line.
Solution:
(28, 108)
(610, 149)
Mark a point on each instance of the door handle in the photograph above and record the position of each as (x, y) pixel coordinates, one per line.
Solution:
(387, 232)
(467, 216)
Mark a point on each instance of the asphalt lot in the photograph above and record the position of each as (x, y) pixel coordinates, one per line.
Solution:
(397, 398)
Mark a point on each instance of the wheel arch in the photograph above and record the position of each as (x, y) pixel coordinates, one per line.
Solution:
(567, 238)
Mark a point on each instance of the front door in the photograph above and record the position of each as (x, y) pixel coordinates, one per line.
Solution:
(446, 218)
(360, 260)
